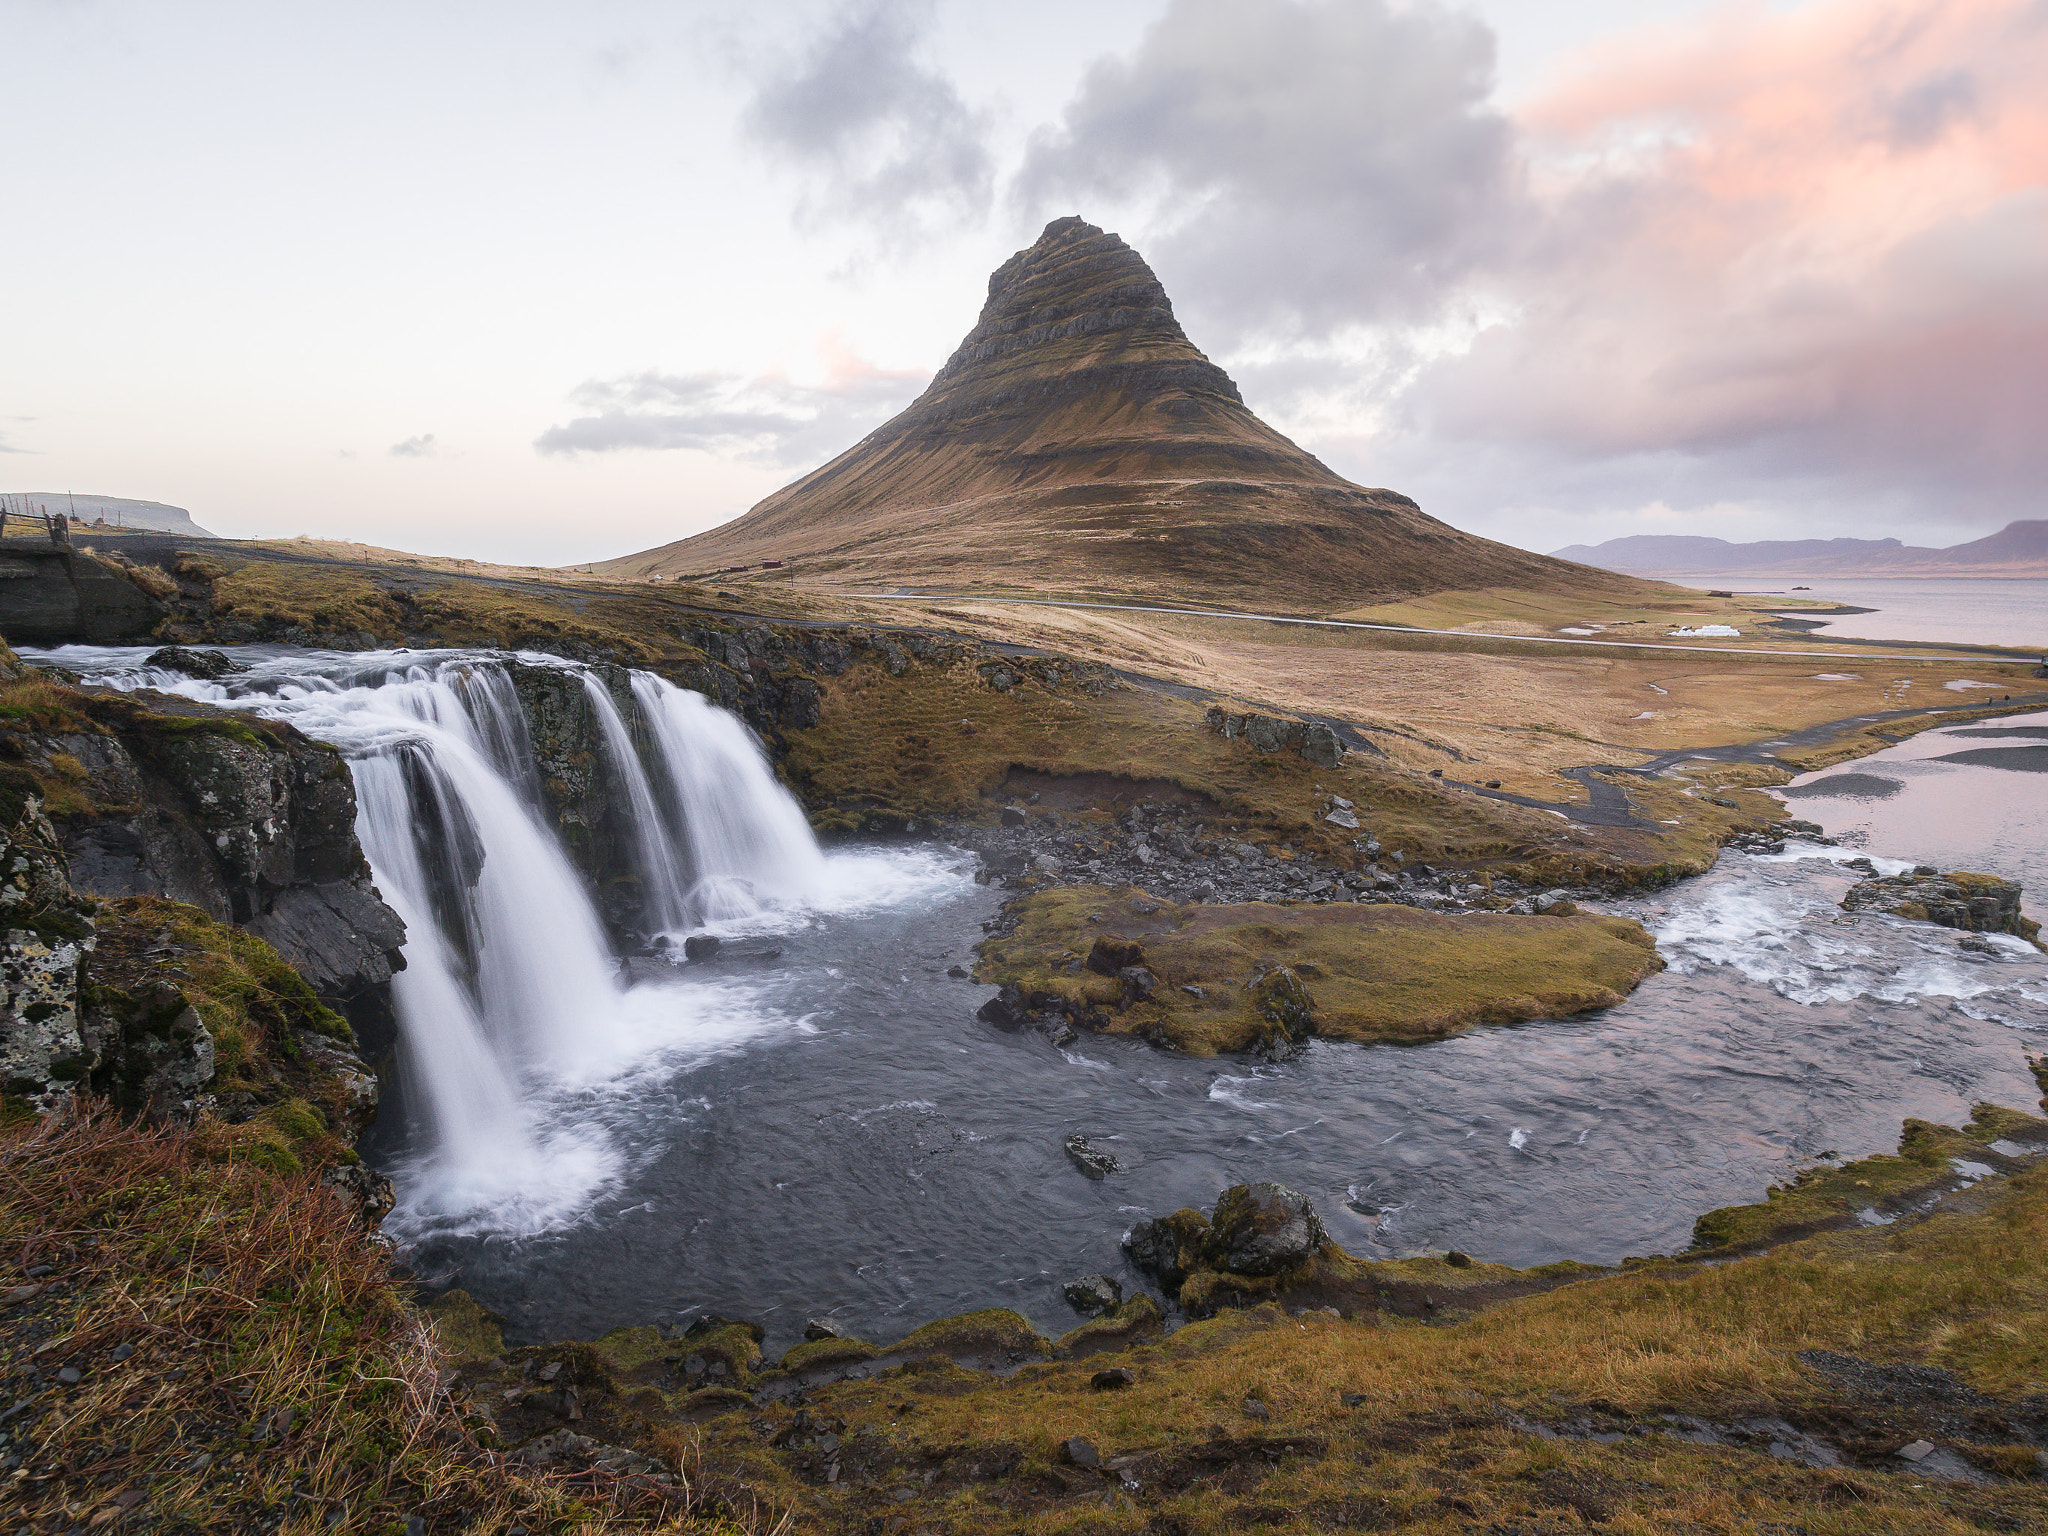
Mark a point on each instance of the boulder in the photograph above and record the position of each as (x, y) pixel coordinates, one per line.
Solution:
(1317, 743)
(1090, 1159)
(208, 666)
(1284, 1001)
(701, 946)
(1138, 984)
(1169, 1248)
(1111, 955)
(1264, 1229)
(1093, 1294)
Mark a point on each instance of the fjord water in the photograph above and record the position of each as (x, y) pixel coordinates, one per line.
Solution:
(831, 1131)
(1954, 610)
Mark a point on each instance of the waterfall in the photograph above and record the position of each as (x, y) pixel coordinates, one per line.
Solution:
(511, 994)
(748, 839)
(664, 891)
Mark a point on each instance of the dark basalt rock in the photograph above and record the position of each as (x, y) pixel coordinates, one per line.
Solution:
(1263, 1229)
(1091, 1159)
(51, 594)
(1170, 1248)
(1317, 743)
(1257, 1230)
(209, 666)
(1111, 955)
(1970, 902)
(248, 820)
(1094, 1294)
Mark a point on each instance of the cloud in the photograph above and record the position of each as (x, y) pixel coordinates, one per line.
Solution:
(1791, 258)
(770, 419)
(421, 447)
(1307, 164)
(1803, 255)
(881, 137)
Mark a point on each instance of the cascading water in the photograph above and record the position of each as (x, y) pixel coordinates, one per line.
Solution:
(748, 838)
(664, 888)
(514, 1014)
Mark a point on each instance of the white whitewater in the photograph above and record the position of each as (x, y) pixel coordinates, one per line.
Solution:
(748, 839)
(512, 1009)
(664, 888)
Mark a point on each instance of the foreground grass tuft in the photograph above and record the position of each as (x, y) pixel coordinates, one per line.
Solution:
(201, 1345)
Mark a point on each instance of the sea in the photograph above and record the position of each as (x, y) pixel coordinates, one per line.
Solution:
(1956, 609)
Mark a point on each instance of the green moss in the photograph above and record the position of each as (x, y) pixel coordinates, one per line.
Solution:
(298, 1120)
(464, 1330)
(733, 1343)
(1137, 1317)
(817, 1354)
(995, 1331)
(1357, 972)
(629, 1349)
(1828, 1196)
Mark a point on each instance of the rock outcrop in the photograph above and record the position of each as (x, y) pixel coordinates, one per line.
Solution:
(51, 594)
(245, 819)
(1263, 1241)
(1970, 902)
(1318, 743)
(1078, 440)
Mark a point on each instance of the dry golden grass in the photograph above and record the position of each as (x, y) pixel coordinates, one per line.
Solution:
(246, 1361)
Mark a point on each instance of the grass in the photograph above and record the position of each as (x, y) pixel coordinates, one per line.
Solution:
(1830, 1195)
(247, 1360)
(1381, 1424)
(937, 741)
(1370, 973)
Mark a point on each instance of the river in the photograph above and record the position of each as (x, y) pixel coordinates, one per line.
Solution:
(827, 1129)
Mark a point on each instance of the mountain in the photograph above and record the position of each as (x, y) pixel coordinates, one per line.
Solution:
(2018, 549)
(118, 511)
(1077, 441)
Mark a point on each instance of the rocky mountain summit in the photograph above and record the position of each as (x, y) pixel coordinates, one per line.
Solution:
(1078, 440)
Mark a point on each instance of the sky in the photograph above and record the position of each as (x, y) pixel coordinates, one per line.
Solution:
(549, 282)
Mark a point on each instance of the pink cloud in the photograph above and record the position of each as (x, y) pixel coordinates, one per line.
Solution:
(1814, 240)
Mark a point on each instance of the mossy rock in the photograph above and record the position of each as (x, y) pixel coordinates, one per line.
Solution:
(823, 1354)
(464, 1329)
(736, 1345)
(633, 1348)
(996, 1333)
(1330, 1277)
(1134, 1319)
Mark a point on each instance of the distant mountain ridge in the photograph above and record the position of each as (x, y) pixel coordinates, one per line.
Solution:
(1077, 441)
(2018, 549)
(118, 511)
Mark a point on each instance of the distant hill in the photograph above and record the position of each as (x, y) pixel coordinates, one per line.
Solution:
(2018, 549)
(1078, 441)
(118, 511)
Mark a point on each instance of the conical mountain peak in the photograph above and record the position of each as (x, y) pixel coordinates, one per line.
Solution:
(1078, 440)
